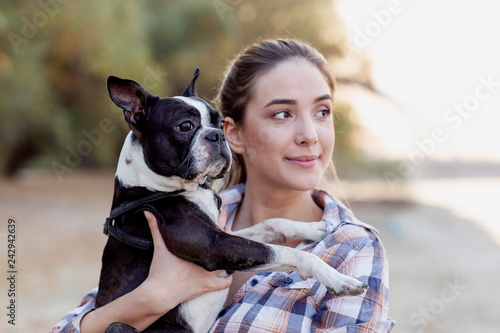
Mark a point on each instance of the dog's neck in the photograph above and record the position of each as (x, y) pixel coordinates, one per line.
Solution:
(133, 171)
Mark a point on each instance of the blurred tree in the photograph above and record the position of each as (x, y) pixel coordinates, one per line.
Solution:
(55, 56)
(59, 55)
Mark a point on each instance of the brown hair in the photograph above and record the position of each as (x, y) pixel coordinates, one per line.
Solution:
(236, 88)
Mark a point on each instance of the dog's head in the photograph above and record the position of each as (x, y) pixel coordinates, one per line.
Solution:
(180, 136)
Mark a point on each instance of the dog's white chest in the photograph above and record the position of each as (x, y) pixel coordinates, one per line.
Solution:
(205, 200)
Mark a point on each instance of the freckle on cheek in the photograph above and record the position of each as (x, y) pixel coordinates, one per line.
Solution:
(265, 136)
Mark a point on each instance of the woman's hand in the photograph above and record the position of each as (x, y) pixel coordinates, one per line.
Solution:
(172, 280)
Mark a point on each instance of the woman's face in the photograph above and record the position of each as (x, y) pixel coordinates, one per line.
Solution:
(287, 134)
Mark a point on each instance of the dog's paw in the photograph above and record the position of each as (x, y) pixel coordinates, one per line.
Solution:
(315, 231)
(336, 283)
(280, 230)
(283, 229)
(279, 237)
(343, 288)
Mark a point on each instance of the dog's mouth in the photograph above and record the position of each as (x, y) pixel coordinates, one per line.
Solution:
(224, 170)
(219, 168)
(213, 170)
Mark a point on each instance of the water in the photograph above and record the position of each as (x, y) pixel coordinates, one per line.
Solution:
(475, 199)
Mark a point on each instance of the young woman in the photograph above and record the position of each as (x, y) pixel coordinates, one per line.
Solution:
(277, 101)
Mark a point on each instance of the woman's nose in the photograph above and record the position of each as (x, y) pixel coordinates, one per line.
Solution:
(306, 133)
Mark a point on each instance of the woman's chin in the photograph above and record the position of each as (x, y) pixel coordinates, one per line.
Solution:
(306, 183)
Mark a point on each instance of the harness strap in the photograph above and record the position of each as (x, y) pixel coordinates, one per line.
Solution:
(128, 206)
(110, 227)
(120, 235)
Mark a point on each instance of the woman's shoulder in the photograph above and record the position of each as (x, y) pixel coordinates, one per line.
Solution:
(339, 217)
(353, 243)
(356, 235)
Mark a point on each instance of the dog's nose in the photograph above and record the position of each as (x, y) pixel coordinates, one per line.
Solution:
(215, 136)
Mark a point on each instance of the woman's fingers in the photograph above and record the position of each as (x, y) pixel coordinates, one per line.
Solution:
(153, 223)
(219, 280)
(222, 219)
(155, 230)
(193, 280)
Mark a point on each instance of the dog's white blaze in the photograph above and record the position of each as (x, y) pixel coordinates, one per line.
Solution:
(200, 152)
(200, 106)
(132, 171)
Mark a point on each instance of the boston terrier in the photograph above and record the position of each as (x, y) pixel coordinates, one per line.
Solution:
(175, 145)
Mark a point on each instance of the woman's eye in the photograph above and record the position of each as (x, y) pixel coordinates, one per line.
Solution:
(185, 126)
(323, 113)
(282, 115)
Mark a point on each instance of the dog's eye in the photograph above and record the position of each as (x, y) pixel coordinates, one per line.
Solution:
(185, 126)
(222, 124)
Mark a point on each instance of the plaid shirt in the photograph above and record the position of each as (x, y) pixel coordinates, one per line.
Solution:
(282, 302)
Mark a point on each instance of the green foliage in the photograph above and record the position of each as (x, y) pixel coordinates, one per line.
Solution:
(55, 56)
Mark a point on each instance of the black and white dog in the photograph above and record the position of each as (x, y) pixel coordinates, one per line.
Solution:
(174, 146)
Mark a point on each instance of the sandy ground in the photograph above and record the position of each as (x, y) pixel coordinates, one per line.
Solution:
(444, 269)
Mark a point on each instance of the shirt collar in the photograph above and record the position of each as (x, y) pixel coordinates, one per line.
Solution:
(335, 213)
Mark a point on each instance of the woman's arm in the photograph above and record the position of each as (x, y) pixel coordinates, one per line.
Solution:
(170, 282)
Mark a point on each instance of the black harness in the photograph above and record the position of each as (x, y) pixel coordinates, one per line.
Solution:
(111, 229)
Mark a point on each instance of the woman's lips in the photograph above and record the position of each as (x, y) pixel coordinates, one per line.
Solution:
(305, 161)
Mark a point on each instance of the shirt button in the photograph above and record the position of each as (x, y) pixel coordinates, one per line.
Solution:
(288, 280)
(254, 282)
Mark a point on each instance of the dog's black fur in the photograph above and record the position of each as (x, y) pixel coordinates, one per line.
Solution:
(187, 230)
(188, 233)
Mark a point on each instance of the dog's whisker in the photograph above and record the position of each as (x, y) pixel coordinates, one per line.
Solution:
(185, 161)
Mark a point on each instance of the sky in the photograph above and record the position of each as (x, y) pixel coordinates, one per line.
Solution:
(438, 65)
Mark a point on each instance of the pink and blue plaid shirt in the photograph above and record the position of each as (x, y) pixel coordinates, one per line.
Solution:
(281, 302)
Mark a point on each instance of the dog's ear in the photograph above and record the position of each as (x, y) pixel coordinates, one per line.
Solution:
(133, 99)
(190, 91)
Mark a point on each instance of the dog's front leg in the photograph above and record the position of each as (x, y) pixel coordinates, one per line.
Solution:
(305, 263)
(280, 230)
(208, 246)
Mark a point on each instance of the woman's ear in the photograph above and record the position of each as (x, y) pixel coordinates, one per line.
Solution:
(233, 136)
